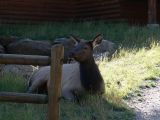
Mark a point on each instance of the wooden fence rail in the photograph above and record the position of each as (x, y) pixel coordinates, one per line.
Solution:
(54, 90)
(23, 97)
(24, 59)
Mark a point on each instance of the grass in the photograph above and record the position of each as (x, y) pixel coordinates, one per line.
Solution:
(122, 34)
(14, 83)
(125, 74)
(137, 60)
(91, 107)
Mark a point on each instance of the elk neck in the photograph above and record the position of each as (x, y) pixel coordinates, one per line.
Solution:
(91, 78)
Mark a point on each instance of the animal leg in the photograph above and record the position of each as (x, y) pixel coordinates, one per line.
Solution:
(35, 87)
(68, 95)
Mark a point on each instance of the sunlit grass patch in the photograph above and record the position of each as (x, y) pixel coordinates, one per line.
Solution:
(127, 72)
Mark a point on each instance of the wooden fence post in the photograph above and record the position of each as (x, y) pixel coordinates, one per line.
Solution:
(152, 13)
(54, 89)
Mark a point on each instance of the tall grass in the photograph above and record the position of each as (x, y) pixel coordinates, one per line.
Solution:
(90, 107)
(138, 59)
(126, 73)
(11, 82)
(120, 33)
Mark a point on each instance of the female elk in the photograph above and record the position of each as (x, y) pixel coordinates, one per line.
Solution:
(82, 76)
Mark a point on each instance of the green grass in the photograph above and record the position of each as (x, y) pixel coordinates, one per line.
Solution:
(14, 83)
(122, 34)
(90, 107)
(137, 60)
(126, 73)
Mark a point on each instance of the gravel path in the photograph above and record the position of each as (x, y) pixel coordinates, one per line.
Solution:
(147, 104)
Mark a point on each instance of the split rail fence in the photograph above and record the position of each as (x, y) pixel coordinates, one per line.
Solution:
(54, 89)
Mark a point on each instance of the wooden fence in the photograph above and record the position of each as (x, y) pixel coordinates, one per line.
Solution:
(54, 90)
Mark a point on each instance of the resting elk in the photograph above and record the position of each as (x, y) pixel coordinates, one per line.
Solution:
(79, 77)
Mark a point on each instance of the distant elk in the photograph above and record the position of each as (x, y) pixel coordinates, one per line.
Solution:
(79, 77)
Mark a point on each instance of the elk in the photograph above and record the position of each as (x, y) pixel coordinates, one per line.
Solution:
(79, 77)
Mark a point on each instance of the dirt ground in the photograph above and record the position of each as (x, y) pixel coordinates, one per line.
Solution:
(147, 103)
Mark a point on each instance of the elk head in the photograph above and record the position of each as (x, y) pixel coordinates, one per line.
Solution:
(83, 50)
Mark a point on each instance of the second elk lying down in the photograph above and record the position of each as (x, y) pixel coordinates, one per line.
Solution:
(82, 76)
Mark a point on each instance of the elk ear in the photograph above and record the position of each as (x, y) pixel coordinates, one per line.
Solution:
(75, 39)
(97, 40)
